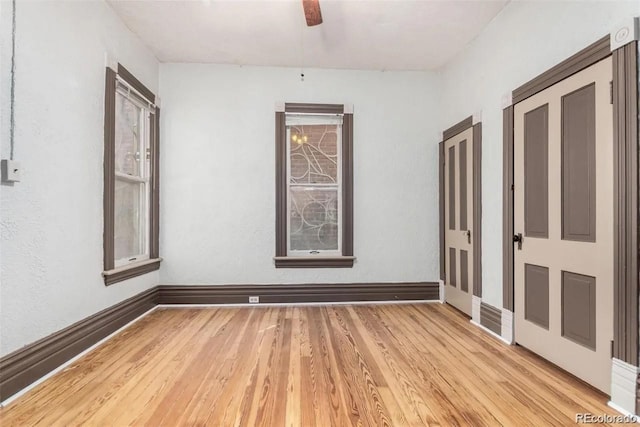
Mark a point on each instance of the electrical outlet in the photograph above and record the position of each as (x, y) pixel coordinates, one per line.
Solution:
(10, 171)
(254, 300)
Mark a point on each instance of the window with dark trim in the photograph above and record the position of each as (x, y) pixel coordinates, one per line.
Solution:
(314, 186)
(131, 184)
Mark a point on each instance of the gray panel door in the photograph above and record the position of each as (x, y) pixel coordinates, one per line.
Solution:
(563, 208)
(459, 226)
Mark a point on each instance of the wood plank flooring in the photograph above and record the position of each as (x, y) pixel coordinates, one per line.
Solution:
(375, 365)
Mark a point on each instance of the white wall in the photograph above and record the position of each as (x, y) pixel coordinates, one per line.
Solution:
(217, 202)
(218, 173)
(524, 40)
(51, 222)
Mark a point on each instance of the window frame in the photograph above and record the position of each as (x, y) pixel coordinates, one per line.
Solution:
(143, 177)
(284, 258)
(113, 273)
(337, 186)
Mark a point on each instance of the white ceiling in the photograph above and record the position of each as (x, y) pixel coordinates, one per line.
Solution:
(356, 34)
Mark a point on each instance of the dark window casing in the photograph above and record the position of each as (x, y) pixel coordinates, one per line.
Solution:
(346, 259)
(111, 274)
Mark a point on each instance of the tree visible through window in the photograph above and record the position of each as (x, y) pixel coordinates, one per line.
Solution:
(314, 183)
(314, 146)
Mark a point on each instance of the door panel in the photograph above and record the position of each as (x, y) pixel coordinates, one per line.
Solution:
(451, 185)
(579, 165)
(536, 172)
(458, 213)
(464, 270)
(563, 204)
(536, 289)
(579, 308)
(452, 273)
(462, 170)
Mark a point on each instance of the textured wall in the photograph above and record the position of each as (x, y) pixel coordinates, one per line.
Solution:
(51, 222)
(524, 40)
(218, 173)
(218, 156)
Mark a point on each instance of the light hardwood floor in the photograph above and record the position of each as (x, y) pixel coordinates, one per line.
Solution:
(376, 365)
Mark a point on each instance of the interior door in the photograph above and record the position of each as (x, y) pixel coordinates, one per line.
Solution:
(563, 211)
(458, 153)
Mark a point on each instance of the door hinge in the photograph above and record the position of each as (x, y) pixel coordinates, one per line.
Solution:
(512, 187)
(611, 92)
(612, 348)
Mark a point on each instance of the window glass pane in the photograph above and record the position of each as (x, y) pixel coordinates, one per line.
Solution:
(128, 136)
(313, 218)
(130, 219)
(313, 154)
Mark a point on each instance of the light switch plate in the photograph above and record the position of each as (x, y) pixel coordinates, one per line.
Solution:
(10, 170)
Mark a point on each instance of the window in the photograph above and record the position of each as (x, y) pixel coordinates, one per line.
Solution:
(314, 186)
(131, 178)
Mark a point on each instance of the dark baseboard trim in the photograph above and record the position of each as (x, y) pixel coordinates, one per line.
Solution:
(271, 294)
(491, 318)
(30, 363)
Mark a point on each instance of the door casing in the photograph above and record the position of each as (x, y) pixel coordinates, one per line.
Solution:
(477, 199)
(626, 202)
(566, 251)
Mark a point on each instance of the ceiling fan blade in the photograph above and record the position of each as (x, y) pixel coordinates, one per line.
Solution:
(312, 12)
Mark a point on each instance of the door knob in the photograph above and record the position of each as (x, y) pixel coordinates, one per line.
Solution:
(518, 238)
(468, 233)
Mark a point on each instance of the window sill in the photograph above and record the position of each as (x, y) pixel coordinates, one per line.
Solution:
(314, 262)
(129, 271)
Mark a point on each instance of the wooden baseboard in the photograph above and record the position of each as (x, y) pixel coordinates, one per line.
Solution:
(271, 294)
(30, 363)
(491, 318)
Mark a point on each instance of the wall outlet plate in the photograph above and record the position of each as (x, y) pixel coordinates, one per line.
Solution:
(254, 300)
(10, 170)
